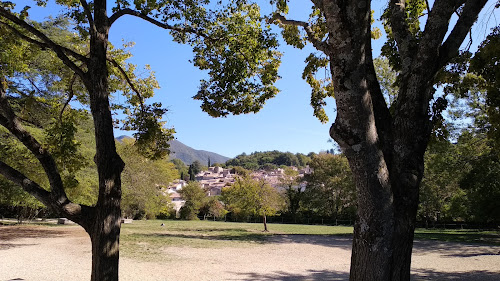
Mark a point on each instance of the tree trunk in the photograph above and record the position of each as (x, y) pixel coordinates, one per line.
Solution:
(105, 238)
(105, 230)
(364, 129)
(264, 219)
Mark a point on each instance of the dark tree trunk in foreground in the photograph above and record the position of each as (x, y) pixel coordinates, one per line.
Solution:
(106, 227)
(386, 149)
(102, 222)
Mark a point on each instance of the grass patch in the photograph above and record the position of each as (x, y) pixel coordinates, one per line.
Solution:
(459, 235)
(146, 239)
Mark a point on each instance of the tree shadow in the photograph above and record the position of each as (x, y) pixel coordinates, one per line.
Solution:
(336, 241)
(453, 249)
(461, 237)
(210, 229)
(11, 232)
(312, 275)
(6, 246)
(245, 237)
(343, 241)
(476, 275)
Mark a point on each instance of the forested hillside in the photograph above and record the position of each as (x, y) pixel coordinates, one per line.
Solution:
(269, 160)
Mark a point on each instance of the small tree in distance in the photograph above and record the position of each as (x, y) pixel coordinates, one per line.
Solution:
(249, 197)
(195, 198)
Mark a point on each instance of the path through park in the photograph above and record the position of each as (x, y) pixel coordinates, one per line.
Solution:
(41, 253)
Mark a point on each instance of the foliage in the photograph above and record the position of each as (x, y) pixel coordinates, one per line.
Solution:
(212, 207)
(142, 181)
(294, 188)
(195, 197)
(194, 169)
(181, 168)
(249, 197)
(330, 189)
(268, 160)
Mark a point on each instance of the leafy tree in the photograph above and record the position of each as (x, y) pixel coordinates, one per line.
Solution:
(385, 145)
(212, 207)
(194, 169)
(330, 189)
(482, 187)
(294, 191)
(230, 42)
(182, 168)
(195, 197)
(142, 180)
(249, 197)
(264, 160)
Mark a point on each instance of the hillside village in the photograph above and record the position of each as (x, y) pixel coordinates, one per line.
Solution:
(215, 179)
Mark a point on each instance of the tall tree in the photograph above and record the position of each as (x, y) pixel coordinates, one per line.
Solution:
(330, 188)
(385, 145)
(231, 43)
(293, 187)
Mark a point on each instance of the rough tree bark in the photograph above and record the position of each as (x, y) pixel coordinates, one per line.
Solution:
(385, 148)
(385, 151)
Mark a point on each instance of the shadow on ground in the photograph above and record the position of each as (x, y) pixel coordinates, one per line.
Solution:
(337, 241)
(9, 233)
(417, 275)
(312, 275)
(454, 249)
(477, 275)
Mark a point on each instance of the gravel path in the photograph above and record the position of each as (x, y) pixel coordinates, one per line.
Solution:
(39, 253)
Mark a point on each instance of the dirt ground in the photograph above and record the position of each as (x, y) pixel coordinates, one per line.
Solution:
(39, 253)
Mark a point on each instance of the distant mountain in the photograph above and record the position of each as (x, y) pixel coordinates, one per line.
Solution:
(188, 154)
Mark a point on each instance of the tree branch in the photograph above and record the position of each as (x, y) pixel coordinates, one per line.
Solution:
(70, 97)
(59, 50)
(469, 15)
(74, 212)
(43, 45)
(28, 185)
(11, 122)
(317, 43)
(404, 39)
(88, 13)
(128, 11)
(129, 82)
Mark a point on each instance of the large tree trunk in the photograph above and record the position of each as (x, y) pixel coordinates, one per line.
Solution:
(105, 236)
(384, 162)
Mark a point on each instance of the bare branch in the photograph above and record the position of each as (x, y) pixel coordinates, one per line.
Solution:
(469, 15)
(317, 43)
(131, 12)
(59, 50)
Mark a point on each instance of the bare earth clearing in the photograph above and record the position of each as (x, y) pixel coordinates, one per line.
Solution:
(39, 253)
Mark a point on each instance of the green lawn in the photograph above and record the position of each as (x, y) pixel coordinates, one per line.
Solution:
(145, 239)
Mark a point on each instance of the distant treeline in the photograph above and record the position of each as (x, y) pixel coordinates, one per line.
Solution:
(269, 160)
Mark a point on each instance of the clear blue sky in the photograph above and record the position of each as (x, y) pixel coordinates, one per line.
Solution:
(286, 123)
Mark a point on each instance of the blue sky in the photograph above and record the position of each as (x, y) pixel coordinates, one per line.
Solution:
(286, 123)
